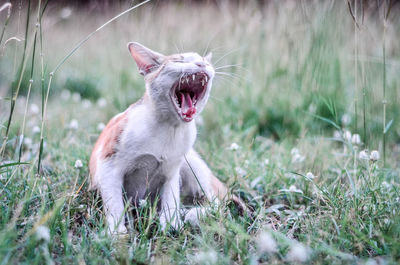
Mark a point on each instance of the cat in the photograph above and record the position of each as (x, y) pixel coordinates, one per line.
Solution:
(147, 150)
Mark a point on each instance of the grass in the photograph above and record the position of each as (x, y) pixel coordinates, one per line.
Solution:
(287, 84)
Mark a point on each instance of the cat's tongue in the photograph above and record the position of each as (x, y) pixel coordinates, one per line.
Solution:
(187, 106)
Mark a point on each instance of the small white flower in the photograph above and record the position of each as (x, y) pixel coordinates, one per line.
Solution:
(76, 97)
(206, 257)
(355, 139)
(312, 108)
(142, 203)
(86, 103)
(297, 158)
(310, 175)
(36, 129)
(100, 126)
(294, 151)
(374, 155)
(234, 147)
(65, 12)
(292, 188)
(346, 119)
(347, 136)
(65, 94)
(298, 253)
(73, 124)
(43, 233)
(337, 135)
(386, 185)
(266, 243)
(240, 171)
(266, 162)
(364, 155)
(102, 102)
(78, 163)
(34, 109)
(28, 142)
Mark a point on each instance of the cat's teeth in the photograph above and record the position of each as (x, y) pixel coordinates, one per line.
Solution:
(206, 78)
(193, 76)
(202, 82)
(187, 80)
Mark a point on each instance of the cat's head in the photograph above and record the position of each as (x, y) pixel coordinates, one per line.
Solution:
(178, 85)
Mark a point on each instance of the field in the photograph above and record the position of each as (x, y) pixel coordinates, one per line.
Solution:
(302, 123)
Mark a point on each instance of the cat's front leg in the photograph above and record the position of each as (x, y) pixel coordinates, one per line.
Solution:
(110, 186)
(170, 201)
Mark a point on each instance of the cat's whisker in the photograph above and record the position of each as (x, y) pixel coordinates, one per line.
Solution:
(228, 80)
(217, 99)
(226, 54)
(228, 74)
(229, 66)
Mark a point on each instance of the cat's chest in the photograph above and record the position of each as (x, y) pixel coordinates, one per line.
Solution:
(161, 140)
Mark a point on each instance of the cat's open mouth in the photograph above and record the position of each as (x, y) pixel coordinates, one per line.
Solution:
(187, 92)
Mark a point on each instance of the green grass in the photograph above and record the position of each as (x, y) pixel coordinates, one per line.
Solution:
(292, 83)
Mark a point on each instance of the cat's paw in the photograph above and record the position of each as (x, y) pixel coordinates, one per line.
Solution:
(194, 215)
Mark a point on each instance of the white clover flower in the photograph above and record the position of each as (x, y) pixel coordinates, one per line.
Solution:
(364, 155)
(102, 102)
(386, 185)
(266, 243)
(28, 142)
(43, 233)
(78, 163)
(234, 147)
(86, 103)
(346, 119)
(310, 175)
(100, 126)
(356, 139)
(298, 253)
(34, 109)
(206, 257)
(347, 136)
(65, 12)
(142, 203)
(76, 97)
(294, 151)
(297, 158)
(65, 94)
(73, 124)
(337, 135)
(266, 162)
(240, 171)
(312, 108)
(292, 188)
(374, 155)
(36, 129)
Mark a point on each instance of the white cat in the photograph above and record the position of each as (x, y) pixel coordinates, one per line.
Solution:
(143, 149)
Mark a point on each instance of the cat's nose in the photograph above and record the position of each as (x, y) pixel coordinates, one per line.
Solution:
(200, 64)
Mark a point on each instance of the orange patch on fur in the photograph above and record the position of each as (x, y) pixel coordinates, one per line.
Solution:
(108, 140)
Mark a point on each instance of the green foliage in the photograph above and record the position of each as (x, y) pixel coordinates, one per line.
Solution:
(84, 87)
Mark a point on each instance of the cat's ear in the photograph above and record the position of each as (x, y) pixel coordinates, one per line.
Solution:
(146, 59)
(208, 57)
